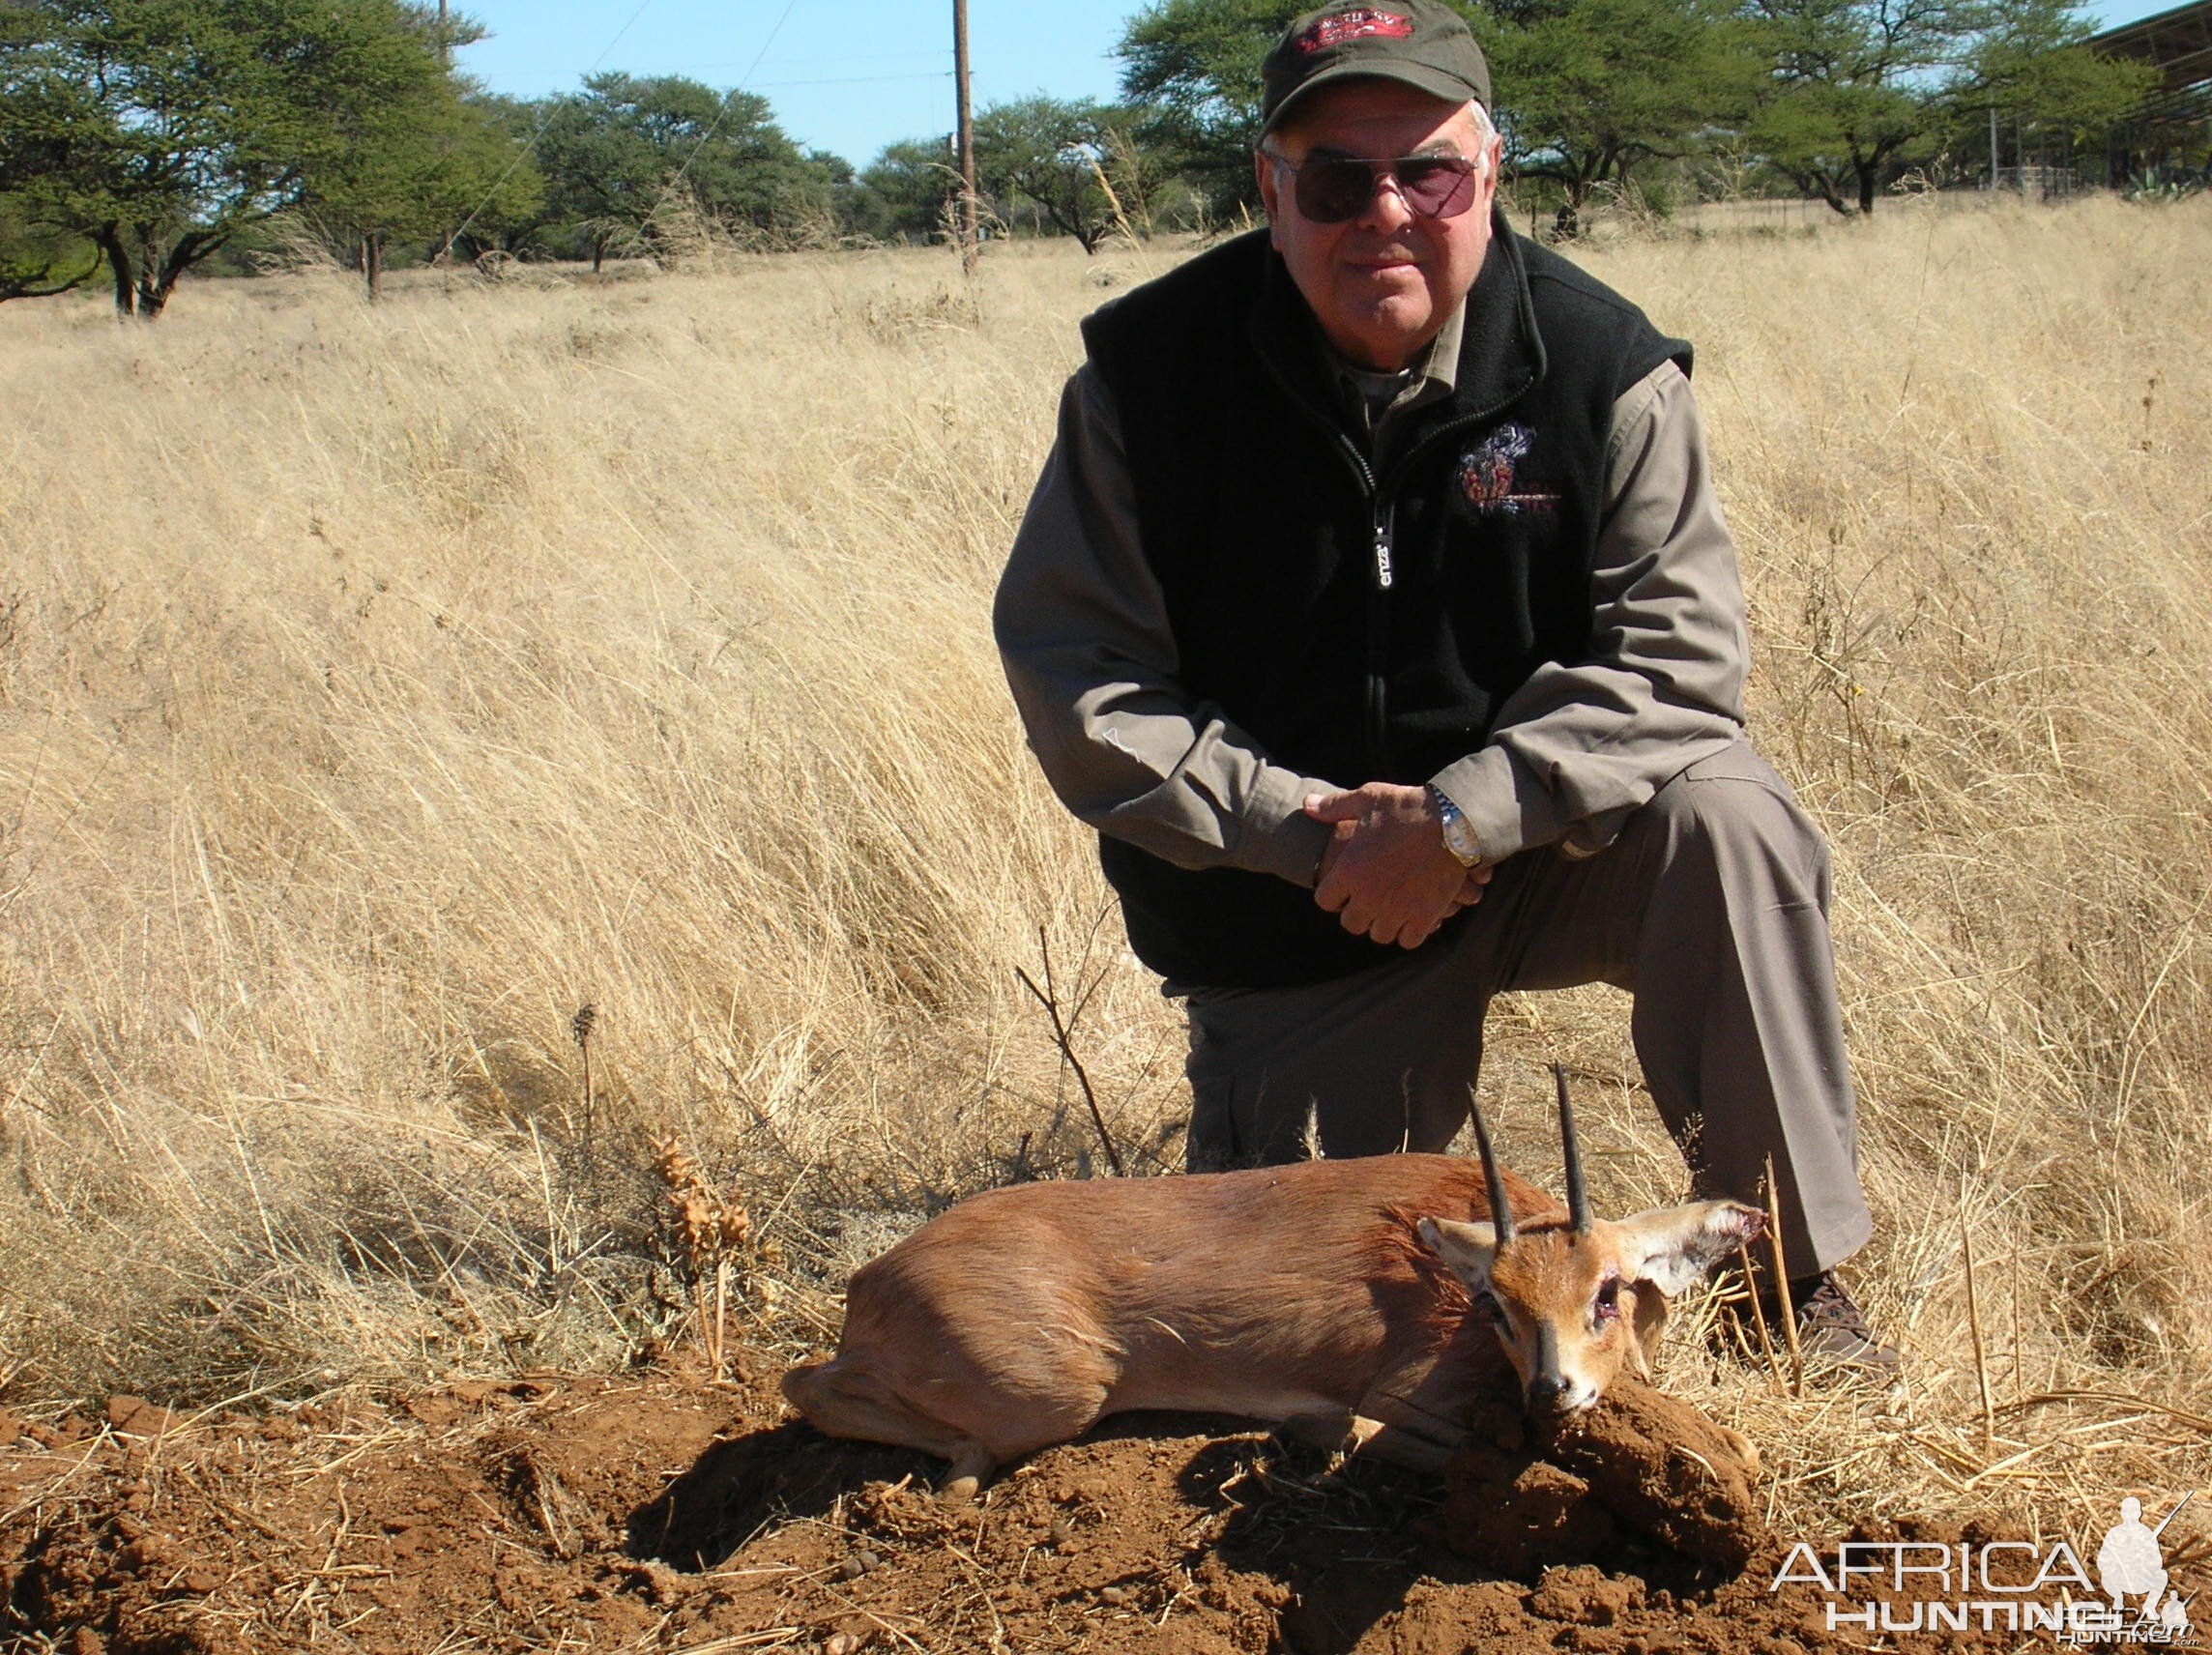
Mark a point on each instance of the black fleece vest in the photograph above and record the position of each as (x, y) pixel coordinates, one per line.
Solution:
(1362, 616)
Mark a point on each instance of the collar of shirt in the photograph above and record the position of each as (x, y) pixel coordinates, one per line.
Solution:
(1374, 401)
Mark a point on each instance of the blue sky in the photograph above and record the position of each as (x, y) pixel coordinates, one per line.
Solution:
(848, 75)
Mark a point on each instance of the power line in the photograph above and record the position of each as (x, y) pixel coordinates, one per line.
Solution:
(637, 236)
(866, 57)
(544, 116)
(858, 80)
(539, 70)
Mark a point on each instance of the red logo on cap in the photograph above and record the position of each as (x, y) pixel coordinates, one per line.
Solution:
(1354, 25)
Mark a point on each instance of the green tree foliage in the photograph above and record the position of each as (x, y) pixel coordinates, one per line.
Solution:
(905, 192)
(421, 155)
(1194, 66)
(1589, 88)
(604, 171)
(1866, 90)
(36, 262)
(511, 211)
(158, 131)
(1077, 164)
(1858, 88)
(614, 155)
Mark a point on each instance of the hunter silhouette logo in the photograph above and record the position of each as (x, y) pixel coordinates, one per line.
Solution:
(1486, 475)
(2129, 1564)
(1354, 25)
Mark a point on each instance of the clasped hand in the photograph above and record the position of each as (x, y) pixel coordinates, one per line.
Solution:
(1386, 874)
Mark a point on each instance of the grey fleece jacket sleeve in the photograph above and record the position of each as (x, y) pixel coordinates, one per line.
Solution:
(1083, 630)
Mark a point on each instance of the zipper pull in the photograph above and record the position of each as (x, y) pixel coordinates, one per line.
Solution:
(1383, 553)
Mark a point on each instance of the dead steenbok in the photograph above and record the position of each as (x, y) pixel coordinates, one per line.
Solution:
(1344, 1300)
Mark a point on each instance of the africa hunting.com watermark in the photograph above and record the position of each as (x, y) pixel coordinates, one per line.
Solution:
(2004, 1585)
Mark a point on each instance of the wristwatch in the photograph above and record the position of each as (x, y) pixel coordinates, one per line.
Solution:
(1458, 837)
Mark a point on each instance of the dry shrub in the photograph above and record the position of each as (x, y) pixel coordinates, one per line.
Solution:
(378, 685)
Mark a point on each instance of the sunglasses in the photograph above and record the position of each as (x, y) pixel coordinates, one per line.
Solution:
(1331, 190)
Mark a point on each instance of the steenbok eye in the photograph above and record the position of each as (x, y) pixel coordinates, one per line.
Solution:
(1607, 1303)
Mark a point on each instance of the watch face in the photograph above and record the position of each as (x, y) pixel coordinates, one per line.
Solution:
(1458, 837)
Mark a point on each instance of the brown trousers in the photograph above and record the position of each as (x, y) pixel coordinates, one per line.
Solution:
(1711, 909)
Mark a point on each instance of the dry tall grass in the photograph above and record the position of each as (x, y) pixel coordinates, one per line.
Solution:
(379, 687)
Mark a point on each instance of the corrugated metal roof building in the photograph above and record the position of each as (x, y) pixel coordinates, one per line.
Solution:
(2172, 133)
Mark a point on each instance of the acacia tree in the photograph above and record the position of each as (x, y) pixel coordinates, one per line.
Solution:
(1593, 87)
(1193, 67)
(420, 156)
(511, 212)
(1857, 92)
(613, 152)
(603, 170)
(906, 190)
(158, 131)
(1077, 163)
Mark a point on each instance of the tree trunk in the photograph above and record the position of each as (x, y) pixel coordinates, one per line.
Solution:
(372, 263)
(1867, 190)
(1821, 184)
(159, 273)
(1567, 222)
(111, 243)
(153, 292)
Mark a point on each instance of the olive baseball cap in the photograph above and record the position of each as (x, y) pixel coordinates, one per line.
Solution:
(1422, 43)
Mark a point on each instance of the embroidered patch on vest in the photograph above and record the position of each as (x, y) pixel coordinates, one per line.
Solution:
(1354, 25)
(1486, 474)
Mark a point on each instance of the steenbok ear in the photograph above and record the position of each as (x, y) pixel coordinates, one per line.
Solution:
(1467, 1249)
(1670, 1247)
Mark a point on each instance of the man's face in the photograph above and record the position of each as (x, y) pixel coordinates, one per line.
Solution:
(1384, 283)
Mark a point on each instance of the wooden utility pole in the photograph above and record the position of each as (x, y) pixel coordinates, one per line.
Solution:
(966, 138)
(445, 40)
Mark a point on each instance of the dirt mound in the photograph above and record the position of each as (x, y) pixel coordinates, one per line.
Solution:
(659, 1511)
(1639, 1464)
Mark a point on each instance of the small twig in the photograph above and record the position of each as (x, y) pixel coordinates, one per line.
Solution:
(1974, 1325)
(721, 1313)
(1782, 1284)
(2043, 1399)
(1049, 998)
(2019, 1382)
(1757, 1313)
(580, 1026)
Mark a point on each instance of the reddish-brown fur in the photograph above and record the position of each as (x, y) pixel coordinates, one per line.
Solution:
(1298, 1294)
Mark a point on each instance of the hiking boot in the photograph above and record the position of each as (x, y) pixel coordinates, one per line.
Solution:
(1832, 1332)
